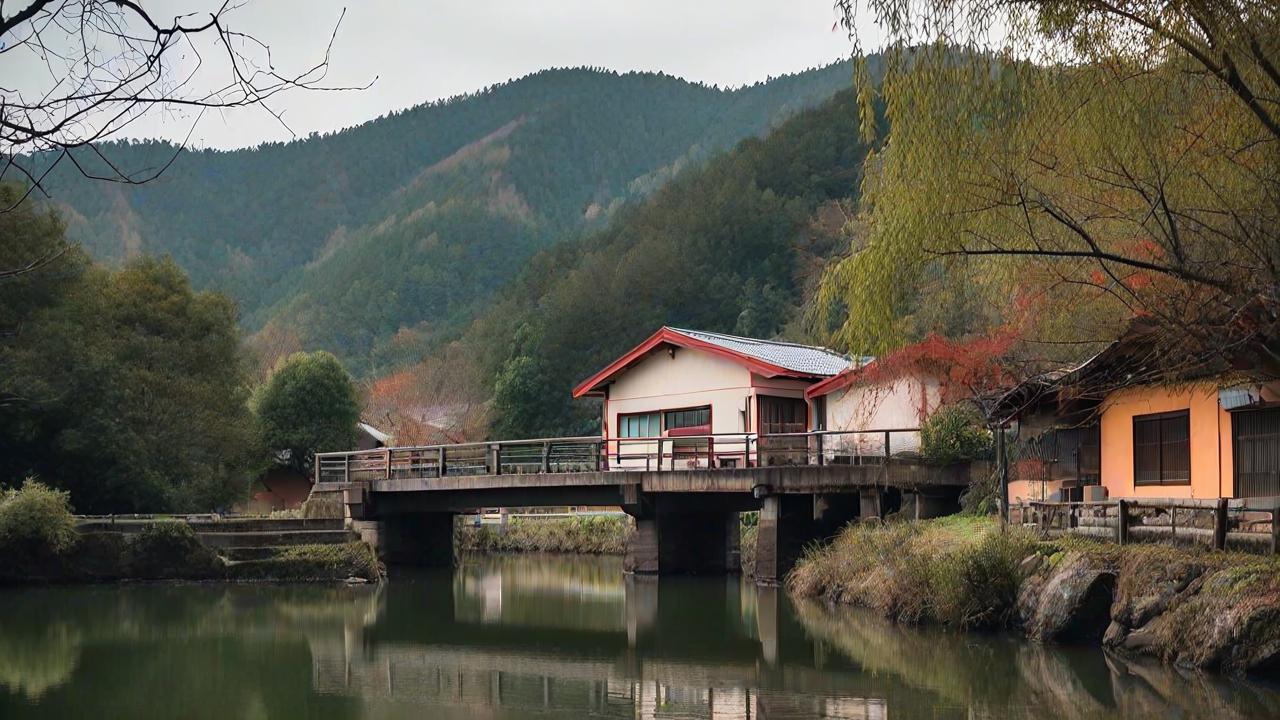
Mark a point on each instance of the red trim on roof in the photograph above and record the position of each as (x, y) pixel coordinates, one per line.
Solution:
(667, 336)
(838, 381)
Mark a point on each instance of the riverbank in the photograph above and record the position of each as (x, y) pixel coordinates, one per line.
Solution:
(1209, 610)
(584, 535)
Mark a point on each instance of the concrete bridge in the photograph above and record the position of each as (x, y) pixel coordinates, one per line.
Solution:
(684, 493)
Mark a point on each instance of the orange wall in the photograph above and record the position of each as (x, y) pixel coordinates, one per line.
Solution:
(1211, 473)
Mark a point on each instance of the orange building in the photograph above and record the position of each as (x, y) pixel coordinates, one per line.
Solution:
(1194, 441)
(1213, 435)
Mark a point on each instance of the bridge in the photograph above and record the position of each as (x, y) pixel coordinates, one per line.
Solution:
(684, 493)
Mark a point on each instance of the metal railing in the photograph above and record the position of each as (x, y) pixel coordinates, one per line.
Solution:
(597, 454)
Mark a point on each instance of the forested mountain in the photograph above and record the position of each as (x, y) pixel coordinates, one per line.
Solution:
(371, 241)
(732, 246)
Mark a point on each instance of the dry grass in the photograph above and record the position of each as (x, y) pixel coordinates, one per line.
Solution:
(590, 535)
(958, 570)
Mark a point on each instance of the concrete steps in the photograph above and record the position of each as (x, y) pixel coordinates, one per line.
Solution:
(284, 538)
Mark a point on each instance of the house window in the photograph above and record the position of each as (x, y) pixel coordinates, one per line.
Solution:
(640, 425)
(693, 421)
(1162, 449)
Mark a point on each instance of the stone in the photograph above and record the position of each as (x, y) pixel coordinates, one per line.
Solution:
(1073, 603)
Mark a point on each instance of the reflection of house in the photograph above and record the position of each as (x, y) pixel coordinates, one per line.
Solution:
(690, 384)
(283, 487)
(1113, 421)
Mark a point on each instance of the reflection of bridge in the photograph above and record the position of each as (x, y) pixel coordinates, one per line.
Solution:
(729, 659)
(684, 493)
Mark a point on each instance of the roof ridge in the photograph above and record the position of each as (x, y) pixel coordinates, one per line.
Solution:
(786, 343)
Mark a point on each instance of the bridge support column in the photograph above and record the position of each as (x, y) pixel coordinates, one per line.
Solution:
(422, 539)
(790, 522)
(672, 541)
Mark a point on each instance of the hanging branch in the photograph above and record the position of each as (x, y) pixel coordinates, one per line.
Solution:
(108, 63)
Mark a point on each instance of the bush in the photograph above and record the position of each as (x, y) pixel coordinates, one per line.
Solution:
(36, 524)
(171, 550)
(955, 433)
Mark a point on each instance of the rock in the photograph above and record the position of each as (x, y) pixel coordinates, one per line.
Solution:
(1115, 634)
(1073, 603)
(1031, 565)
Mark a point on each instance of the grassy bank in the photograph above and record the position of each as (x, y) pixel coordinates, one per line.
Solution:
(589, 535)
(1203, 609)
(39, 543)
(956, 570)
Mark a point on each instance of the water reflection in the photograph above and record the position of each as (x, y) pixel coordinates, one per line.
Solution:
(552, 638)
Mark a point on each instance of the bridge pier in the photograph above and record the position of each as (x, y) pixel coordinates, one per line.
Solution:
(421, 539)
(672, 538)
(790, 522)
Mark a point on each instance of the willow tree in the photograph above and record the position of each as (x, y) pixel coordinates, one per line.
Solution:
(1077, 163)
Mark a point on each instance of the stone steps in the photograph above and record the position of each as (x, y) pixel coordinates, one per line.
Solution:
(282, 538)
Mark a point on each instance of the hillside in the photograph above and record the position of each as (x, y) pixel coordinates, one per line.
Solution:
(733, 246)
(372, 241)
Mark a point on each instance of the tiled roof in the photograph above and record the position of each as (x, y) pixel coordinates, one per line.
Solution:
(798, 358)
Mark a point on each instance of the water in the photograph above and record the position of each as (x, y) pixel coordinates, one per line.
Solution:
(546, 637)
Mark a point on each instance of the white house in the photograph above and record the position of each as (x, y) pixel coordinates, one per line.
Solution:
(697, 394)
(869, 399)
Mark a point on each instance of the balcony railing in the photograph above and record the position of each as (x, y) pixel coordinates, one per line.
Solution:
(597, 454)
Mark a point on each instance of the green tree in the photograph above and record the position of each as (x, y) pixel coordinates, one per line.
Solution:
(1077, 163)
(128, 388)
(309, 404)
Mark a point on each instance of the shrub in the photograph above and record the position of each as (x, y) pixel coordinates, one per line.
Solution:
(166, 550)
(954, 433)
(35, 524)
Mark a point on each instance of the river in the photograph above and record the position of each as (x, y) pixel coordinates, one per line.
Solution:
(547, 637)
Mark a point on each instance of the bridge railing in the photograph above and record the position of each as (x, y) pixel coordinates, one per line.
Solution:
(594, 454)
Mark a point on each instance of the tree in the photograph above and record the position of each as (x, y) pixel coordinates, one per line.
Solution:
(1081, 162)
(109, 62)
(125, 388)
(309, 404)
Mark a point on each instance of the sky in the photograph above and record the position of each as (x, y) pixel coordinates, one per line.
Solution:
(422, 50)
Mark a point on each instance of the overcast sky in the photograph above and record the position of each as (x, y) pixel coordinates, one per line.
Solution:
(428, 49)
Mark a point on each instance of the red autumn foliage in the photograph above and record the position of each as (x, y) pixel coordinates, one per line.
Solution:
(965, 369)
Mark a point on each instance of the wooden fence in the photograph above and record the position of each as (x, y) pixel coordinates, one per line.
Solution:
(1248, 524)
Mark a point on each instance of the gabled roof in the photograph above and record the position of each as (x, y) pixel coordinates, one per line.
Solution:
(768, 358)
(374, 432)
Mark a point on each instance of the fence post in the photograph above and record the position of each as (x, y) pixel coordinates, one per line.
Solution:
(1122, 521)
(495, 450)
(387, 453)
(660, 455)
(546, 457)
(1002, 474)
(1275, 529)
(440, 463)
(887, 454)
(1220, 525)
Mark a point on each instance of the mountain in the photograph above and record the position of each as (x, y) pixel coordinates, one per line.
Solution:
(734, 246)
(375, 241)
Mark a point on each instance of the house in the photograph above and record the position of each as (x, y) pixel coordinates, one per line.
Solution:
(1122, 422)
(282, 486)
(678, 388)
(884, 401)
